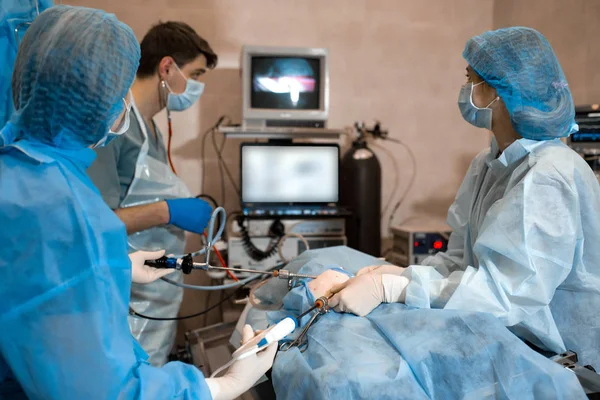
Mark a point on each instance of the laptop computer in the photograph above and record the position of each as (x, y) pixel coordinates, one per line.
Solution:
(290, 180)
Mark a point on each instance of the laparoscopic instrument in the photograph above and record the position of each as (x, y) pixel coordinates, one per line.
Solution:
(186, 265)
(301, 341)
(278, 332)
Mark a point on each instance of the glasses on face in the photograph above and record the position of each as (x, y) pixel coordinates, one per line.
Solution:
(124, 114)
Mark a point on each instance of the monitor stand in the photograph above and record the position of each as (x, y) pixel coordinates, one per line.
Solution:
(237, 132)
(283, 142)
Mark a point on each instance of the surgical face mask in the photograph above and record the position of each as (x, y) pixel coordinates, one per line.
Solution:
(479, 117)
(123, 127)
(183, 101)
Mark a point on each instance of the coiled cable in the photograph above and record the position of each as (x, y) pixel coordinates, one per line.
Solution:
(276, 231)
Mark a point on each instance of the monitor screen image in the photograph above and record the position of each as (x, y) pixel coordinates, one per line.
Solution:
(290, 174)
(285, 83)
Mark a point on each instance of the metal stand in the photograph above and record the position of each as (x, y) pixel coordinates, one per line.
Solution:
(589, 379)
(201, 342)
(208, 348)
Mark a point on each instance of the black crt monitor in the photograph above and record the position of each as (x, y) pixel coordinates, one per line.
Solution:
(284, 87)
(294, 176)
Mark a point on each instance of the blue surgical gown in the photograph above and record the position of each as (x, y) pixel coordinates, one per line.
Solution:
(525, 247)
(15, 17)
(65, 288)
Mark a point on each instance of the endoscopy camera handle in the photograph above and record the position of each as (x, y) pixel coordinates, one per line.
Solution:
(163, 262)
(185, 264)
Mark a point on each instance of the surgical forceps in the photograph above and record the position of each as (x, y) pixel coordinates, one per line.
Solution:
(301, 341)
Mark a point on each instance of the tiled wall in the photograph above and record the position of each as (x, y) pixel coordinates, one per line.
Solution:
(394, 60)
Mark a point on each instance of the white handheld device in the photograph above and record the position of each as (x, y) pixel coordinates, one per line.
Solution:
(272, 334)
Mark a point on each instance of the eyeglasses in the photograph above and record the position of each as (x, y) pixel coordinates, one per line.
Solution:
(125, 114)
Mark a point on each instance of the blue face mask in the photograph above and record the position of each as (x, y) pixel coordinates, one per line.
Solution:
(123, 127)
(183, 101)
(479, 117)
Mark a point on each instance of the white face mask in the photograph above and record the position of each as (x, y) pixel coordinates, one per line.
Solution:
(479, 117)
(122, 129)
(183, 101)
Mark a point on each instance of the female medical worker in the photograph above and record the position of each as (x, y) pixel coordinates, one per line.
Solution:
(66, 273)
(526, 220)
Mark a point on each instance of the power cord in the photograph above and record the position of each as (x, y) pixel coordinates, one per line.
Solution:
(214, 203)
(222, 162)
(218, 151)
(210, 130)
(396, 171)
(410, 184)
(209, 198)
(209, 309)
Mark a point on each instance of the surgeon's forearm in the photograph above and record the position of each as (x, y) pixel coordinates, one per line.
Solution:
(140, 218)
(429, 288)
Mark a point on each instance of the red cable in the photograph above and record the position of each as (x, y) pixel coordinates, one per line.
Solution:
(222, 261)
(219, 256)
(169, 147)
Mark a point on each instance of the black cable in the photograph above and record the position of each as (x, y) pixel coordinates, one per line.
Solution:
(221, 119)
(218, 150)
(410, 184)
(209, 309)
(209, 198)
(215, 205)
(224, 164)
(202, 156)
(396, 171)
(276, 231)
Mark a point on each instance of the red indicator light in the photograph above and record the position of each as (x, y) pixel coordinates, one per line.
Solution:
(438, 245)
(416, 244)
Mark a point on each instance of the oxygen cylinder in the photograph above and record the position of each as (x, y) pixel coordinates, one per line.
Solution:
(361, 194)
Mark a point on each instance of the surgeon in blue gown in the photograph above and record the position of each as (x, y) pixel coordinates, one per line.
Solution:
(66, 274)
(526, 220)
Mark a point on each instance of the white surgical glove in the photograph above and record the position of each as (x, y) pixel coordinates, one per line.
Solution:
(141, 273)
(243, 373)
(381, 269)
(363, 294)
(323, 284)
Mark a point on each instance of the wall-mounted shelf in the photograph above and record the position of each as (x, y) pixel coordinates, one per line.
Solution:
(280, 133)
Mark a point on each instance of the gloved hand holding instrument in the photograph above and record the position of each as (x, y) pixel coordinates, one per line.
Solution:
(190, 214)
(142, 272)
(362, 294)
(381, 269)
(243, 371)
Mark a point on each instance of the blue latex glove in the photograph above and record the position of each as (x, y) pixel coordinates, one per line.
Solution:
(189, 214)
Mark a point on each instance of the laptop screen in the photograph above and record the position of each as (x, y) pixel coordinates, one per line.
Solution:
(289, 174)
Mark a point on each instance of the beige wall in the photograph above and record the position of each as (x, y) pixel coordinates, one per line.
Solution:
(395, 60)
(573, 29)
